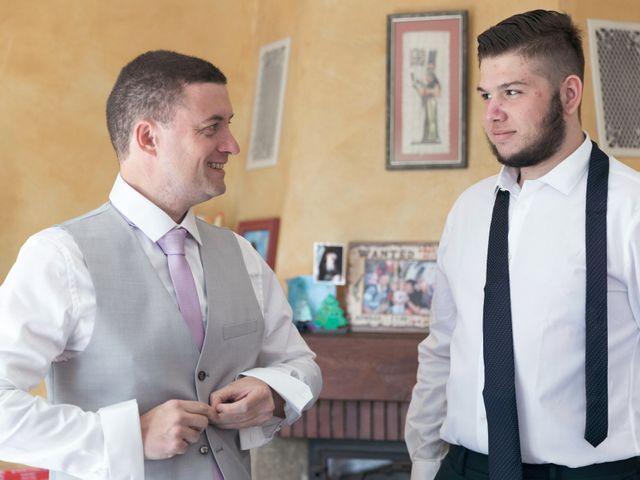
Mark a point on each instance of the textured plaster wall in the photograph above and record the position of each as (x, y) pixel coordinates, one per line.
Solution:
(59, 59)
(337, 188)
(58, 62)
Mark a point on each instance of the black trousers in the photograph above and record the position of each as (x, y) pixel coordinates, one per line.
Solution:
(463, 464)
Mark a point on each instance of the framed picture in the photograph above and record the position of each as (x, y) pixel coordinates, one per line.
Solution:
(390, 286)
(615, 67)
(426, 90)
(263, 235)
(328, 263)
(268, 104)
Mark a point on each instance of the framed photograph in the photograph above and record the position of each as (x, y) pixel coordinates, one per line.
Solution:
(263, 235)
(390, 286)
(615, 67)
(268, 104)
(426, 90)
(328, 263)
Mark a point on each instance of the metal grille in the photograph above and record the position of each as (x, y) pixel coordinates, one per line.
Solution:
(618, 70)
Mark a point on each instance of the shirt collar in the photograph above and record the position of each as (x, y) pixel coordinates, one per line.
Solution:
(563, 177)
(508, 180)
(146, 215)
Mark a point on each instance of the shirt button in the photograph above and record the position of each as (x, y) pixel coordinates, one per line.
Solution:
(204, 450)
(202, 375)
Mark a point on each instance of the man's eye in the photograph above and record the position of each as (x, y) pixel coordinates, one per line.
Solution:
(210, 129)
(511, 93)
(485, 96)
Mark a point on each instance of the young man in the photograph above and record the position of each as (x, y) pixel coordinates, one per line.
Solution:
(168, 342)
(537, 304)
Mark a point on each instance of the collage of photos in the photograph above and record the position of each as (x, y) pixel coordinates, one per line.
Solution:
(390, 286)
(398, 287)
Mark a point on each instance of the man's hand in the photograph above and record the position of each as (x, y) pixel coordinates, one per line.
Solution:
(247, 402)
(169, 428)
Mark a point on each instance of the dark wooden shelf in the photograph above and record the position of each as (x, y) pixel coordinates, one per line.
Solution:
(366, 366)
(368, 378)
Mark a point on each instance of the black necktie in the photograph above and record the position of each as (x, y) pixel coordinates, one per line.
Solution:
(596, 350)
(499, 389)
(499, 392)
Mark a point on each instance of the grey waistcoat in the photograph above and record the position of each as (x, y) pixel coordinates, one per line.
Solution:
(141, 348)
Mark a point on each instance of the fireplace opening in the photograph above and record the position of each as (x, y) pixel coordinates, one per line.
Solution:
(358, 460)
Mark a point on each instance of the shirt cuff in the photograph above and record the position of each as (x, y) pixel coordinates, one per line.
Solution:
(124, 453)
(422, 470)
(254, 437)
(296, 395)
(294, 392)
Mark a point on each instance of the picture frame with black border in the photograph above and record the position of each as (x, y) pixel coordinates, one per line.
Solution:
(329, 265)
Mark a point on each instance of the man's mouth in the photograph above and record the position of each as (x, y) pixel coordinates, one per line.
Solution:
(216, 166)
(501, 135)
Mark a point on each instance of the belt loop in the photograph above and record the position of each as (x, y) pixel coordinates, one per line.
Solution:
(462, 461)
(553, 472)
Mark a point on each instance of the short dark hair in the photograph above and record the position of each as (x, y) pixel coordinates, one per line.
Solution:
(151, 85)
(540, 35)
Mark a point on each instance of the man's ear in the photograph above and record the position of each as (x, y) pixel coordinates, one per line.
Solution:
(145, 133)
(571, 94)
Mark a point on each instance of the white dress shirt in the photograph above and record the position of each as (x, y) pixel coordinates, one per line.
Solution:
(47, 314)
(547, 276)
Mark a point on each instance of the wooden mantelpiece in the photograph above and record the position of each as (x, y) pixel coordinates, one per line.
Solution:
(368, 378)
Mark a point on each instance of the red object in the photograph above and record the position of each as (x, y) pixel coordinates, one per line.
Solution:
(25, 474)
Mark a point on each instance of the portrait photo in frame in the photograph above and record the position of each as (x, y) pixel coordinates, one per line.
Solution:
(390, 286)
(329, 264)
(426, 90)
(263, 235)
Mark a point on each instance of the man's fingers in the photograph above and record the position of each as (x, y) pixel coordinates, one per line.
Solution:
(190, 435)
(237, 408)
(192, 406)
(178, 446)
(169, 428)
(241, 414)
(247, 402)
(197, 422)
(227, 394)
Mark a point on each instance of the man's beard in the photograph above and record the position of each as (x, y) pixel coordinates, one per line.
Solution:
(547, 143)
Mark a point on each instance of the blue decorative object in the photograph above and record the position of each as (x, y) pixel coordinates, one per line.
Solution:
(305, 297)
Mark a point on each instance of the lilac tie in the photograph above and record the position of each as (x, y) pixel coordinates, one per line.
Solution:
(172, 244)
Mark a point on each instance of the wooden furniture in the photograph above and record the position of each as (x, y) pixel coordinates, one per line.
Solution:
(368, 378)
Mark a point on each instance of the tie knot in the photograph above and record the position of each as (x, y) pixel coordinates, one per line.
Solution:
(172, 242)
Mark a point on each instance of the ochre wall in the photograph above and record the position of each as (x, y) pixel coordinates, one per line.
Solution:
(330, 183)
(59, 59)
(58, 62)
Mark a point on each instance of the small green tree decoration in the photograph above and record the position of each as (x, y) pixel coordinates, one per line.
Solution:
(330, 315)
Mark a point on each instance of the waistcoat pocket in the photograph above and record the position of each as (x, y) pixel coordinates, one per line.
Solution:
(239, 329)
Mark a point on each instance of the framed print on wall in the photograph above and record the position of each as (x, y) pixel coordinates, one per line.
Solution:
(426, 90)
(269, 104)
(615, 68)
(263, 235)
